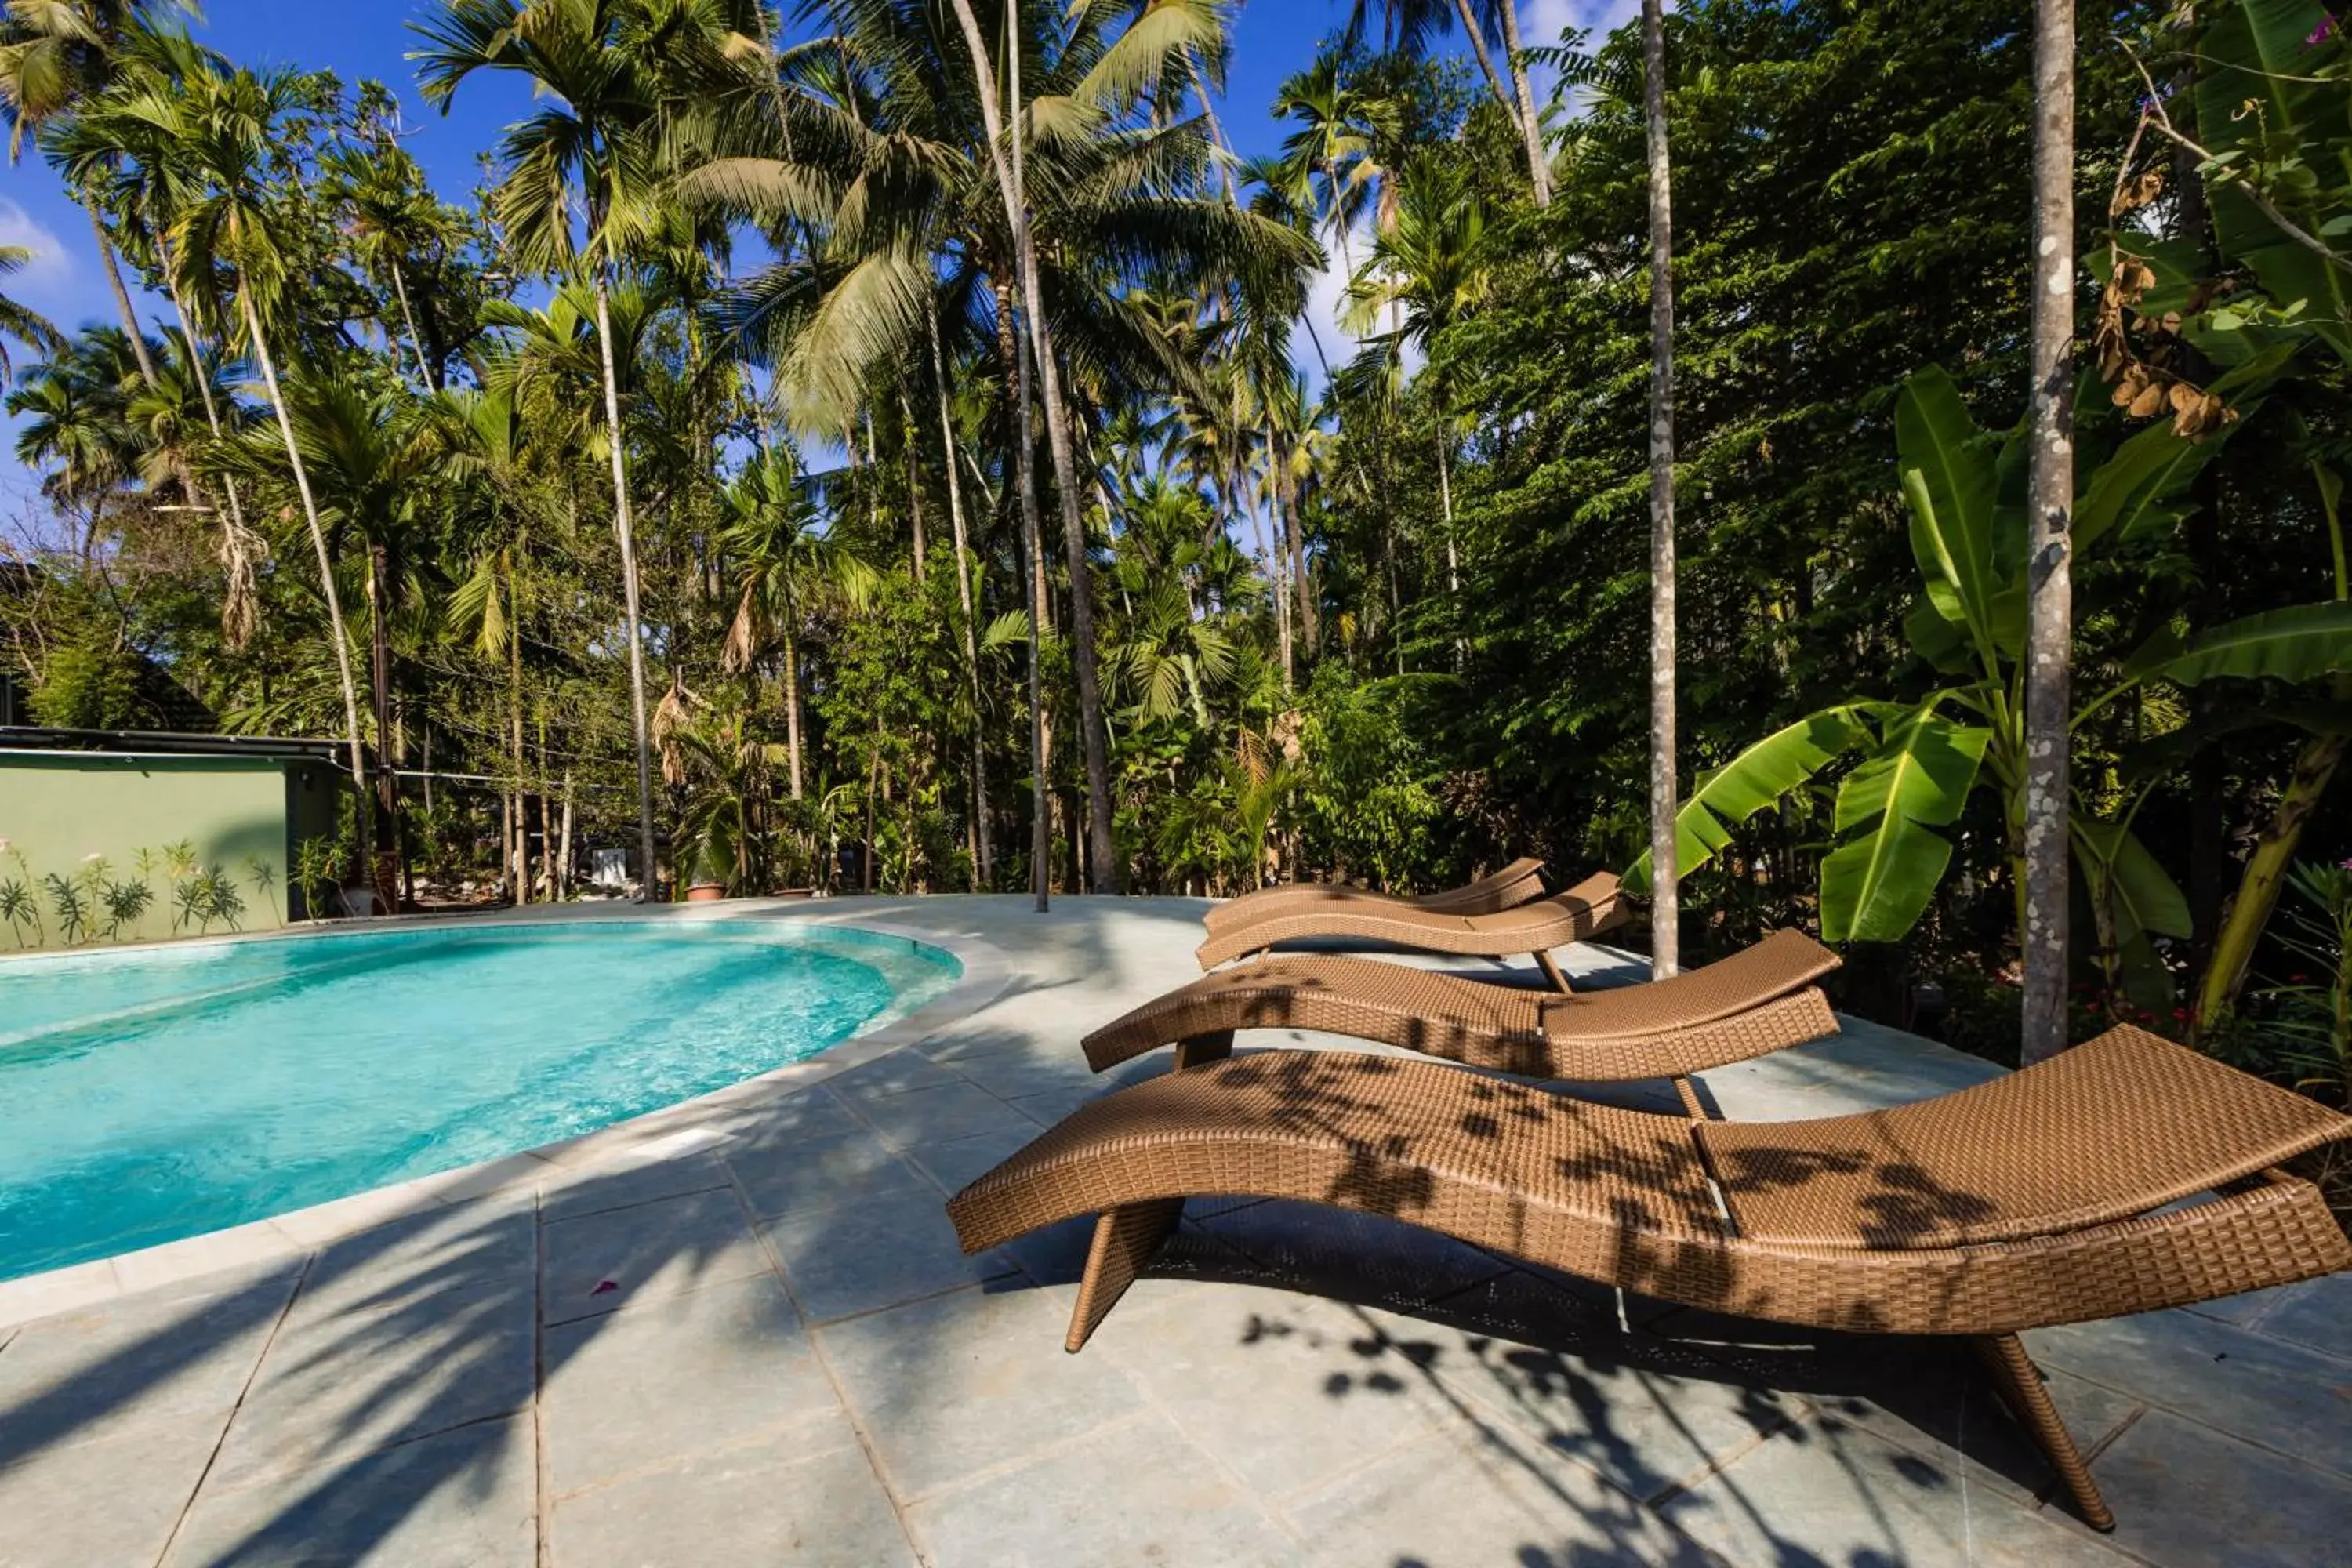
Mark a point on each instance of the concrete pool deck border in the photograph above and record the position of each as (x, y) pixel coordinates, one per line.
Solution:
(653, 1135)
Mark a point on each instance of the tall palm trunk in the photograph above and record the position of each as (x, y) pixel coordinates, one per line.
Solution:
(621, 523)
(1093, 738)
(121, 295)
(792, 705)
(1531, 123)
(520, 855)
(240, 604)
(415, 340)
(1283, 562)
(1032, 589)
(1453, 552)
(358, 751)
(983, 851)
(2050, 494)
(1666, 918)
(387, 777)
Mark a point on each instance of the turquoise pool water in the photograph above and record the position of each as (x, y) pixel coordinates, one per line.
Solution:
(150, 1096)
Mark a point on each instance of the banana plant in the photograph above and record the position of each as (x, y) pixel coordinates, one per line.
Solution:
(1916, 763)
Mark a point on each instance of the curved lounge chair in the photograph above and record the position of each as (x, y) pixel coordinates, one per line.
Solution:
(1759, 1000)
(1593, 905)
(2040, 1198)
(1514, 885)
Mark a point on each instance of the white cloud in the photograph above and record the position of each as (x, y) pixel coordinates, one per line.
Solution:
(50, 281)
(1327, 302)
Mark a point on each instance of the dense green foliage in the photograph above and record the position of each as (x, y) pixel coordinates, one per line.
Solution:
(1399, 630)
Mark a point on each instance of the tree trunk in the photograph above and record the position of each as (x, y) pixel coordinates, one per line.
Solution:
(1665, 866)
(1283, 563)
(621, 522)
(1452, 553)
(2265, 876)
(415, 341)
(240, 601)
(2050, 487)
(387, 778)
(1531, 123)
(563, 844)
(121, 295)
(1033, 587)
(362, 815)
(914, 479)
(983, 852)
(514, 735)
(792, 707)
(1093, 738)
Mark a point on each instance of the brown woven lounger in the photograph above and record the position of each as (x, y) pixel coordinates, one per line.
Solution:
(1758, 1001)
(2037, 1199)
(1593, 905)
(1514, 885)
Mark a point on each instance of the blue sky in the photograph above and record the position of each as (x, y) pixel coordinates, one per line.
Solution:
(360, 39)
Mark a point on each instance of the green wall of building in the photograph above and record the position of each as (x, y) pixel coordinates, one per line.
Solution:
(241, 816)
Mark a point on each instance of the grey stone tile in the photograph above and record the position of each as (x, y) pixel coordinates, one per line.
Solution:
(2244, 1308)
(1829, 1493)
(1643, 1412)
(1137, 1493)
(896, 1247)
(83, 1376)
(334, 1391)
(1286, 1389)
(2185, 1496)
(987, 1035)
(663, 1379)
(1466, 1499)
(116, 1501)
(1012, 1075)
(1045, 1109)
(781, 1179)
(954, 1165)
(937, 1115)
(1343, 1253)
(2317, 1313)
(762, 1505)
(893, 1073)
(568, 1194)
(428, 1262)
(803, 1116)
(2263, 1390)
(596, 1263)
(1942, 1404)
(956, 1386)
(462, 1500)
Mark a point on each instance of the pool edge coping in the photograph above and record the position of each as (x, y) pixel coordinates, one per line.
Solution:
(282, 1238)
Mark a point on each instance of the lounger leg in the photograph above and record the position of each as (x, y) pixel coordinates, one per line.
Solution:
(1552, 972)
(1693, 1107)
(1125, 1240)
(1210, 1047)
(2020, 1381)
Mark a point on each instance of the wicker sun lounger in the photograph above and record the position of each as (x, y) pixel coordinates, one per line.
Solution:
(1514, 885)
(1593, 905)
(1759, 1000)
(2052, 1195)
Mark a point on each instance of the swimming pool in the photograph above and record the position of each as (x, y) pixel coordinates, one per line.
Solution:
(150, 1095)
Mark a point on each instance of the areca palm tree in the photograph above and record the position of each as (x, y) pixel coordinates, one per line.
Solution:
(594, 138)
(226, 239)
(389, 212)
(21, 321)
(1412, 23)
(53, 55)
(1664, 916)
(784, 561)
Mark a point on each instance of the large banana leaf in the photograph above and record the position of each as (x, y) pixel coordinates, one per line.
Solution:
(1755, 778)
(1947, 468)
(1875, 886)
(2141, 895)
(2299, 643)
(1923, 771)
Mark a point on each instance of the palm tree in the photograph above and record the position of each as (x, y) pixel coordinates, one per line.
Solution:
(595, 136)
(225, 238)
(20, 321)
(54, 55)
(2050, 496)
(784, 561)
(1664, 913)
(74, 424)
(1412, 23)
(389, 212)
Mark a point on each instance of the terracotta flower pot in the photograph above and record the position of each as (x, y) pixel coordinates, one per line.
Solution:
(706, 893)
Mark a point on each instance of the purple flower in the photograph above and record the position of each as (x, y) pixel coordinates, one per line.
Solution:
(2321, 33)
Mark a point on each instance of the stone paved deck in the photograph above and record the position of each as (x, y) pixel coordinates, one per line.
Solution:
(760, 1346)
